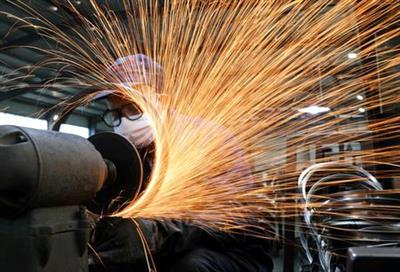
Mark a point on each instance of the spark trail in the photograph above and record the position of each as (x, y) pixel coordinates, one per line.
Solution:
(237, 73)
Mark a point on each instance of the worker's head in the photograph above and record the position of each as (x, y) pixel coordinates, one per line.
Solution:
(134, 72)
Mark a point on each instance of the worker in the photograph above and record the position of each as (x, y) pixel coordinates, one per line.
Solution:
(174, 245)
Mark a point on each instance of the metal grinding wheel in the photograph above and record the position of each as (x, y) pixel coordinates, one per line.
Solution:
(129, 169)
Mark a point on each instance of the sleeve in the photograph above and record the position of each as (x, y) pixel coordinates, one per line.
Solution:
(123, 241)
(172, 237)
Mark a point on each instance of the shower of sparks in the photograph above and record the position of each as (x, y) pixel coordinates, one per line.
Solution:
(240, 79)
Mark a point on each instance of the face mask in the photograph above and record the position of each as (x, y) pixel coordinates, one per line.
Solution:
(138, 132)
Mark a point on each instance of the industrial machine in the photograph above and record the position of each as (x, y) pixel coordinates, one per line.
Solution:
(48, 183)
(339, 231)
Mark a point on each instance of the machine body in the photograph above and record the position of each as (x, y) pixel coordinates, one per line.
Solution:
(47, 180)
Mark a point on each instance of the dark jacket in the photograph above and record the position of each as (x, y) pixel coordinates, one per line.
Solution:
(119, 243)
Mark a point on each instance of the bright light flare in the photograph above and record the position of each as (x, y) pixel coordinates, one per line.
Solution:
(352, 55)
(314, 110)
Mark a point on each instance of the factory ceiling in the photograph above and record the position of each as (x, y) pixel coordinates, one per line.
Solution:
(17, 56)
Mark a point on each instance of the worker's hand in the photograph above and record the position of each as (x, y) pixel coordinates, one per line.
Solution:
(116, 241)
